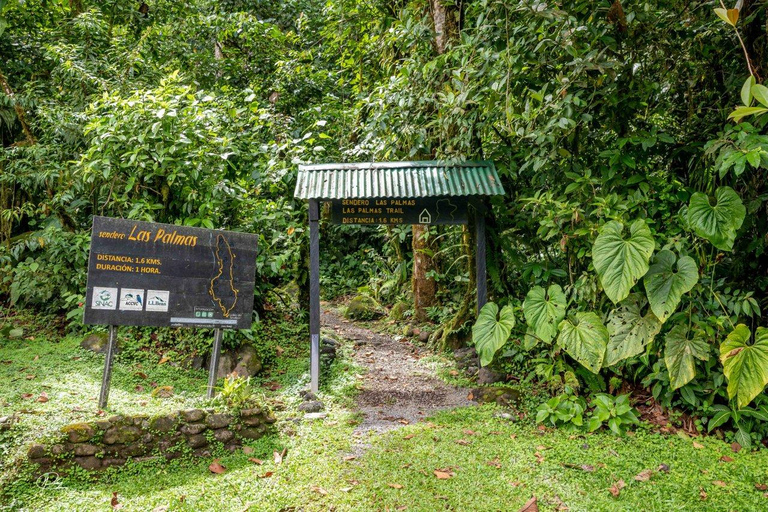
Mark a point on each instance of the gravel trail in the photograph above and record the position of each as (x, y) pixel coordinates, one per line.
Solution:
(396, 390)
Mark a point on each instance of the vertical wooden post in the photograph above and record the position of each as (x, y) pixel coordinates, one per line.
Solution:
(107, 375)
(218, 334)
(314, 293)
(480, 268)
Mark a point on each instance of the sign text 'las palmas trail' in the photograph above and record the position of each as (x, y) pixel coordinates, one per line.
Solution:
(143, 273)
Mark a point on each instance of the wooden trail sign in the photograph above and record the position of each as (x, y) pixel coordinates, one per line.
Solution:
(150, 274)
(394, 211)
(142, 273)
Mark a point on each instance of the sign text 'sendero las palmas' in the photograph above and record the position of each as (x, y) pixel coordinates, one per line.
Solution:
(143, 273)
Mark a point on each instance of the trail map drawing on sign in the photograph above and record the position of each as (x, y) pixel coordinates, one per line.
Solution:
(449, 209)
(222, 287)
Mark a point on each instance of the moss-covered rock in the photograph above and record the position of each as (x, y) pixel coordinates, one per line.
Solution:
(248, 362)
(503, 396)
(121, 434)
(78, 432)
(363, 307)
(97, 342)
(162, 392)
(164, 423)
(398, 310)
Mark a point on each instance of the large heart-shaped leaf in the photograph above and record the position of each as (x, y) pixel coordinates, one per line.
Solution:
(681, 352)
(745, 366)
(544, 310)
(629, 330)
(584, 340)
(664, 286)
(718, 223)
(491, 331)
(619, 261)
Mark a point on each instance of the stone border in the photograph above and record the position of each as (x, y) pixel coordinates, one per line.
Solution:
(112, 442)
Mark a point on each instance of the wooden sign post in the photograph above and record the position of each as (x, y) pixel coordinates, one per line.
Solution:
(149, 274)
(107, 376)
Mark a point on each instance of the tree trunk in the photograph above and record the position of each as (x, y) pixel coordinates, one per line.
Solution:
(75, 7)
(445, 17)
(446, 23)
(19, 110)
(424, 287)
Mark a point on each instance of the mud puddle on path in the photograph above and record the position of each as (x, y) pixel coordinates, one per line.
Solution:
(396, 390)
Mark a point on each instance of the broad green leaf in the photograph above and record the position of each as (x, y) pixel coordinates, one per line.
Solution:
(718, 419)
(723, 15)
(743, 438)
(745, 366)
(740, 112)
(530, 340)
(619, 261)
(718, 223)
(584, 340)
(665, 286)
(680, 354)
(746, 91)
(629, 330)
(760, 93)
(3, 24)
(492, 330)
(544, 310)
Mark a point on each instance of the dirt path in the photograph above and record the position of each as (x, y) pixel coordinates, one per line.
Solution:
(396, 390)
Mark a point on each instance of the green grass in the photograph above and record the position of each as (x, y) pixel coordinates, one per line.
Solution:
(315, 474)
(315, 461)
(71, 379)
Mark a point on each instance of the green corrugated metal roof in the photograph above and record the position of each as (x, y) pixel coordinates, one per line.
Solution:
(397, 179)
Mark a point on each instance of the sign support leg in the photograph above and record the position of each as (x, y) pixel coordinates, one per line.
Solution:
(218, 334)
(314, 294)
(107, 376)
(480, 271)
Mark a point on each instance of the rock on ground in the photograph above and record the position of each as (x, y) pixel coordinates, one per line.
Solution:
(363, 307)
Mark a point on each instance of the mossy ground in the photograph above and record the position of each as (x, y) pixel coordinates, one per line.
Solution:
(493, 463)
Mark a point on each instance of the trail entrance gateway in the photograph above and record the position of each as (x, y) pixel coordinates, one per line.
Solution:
(393, 193)
(143, 273)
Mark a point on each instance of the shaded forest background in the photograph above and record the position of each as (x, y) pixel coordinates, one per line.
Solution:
(199, 112)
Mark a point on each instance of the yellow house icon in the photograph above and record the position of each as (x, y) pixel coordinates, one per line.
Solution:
(425, 217)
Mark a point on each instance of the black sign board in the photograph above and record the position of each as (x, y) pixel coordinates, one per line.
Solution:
(143, 273)
(433, 210)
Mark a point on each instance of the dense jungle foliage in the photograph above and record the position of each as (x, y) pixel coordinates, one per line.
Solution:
(628, 254)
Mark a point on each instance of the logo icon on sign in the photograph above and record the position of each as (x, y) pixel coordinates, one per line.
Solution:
(104, 298)
(425, 217)
(157, 300)
(131, 299)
